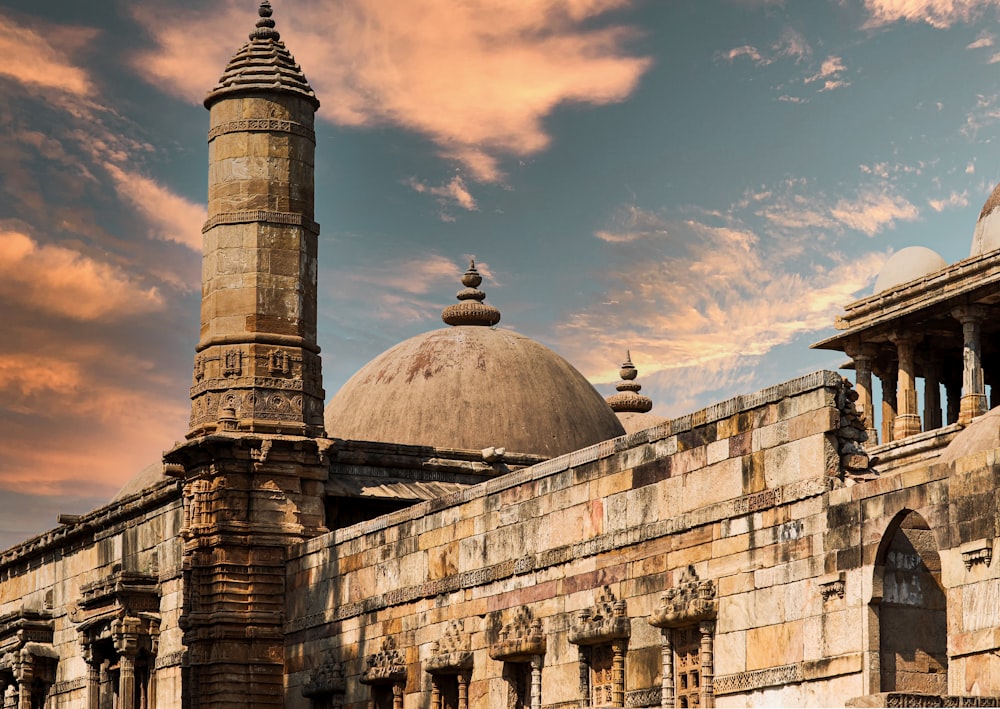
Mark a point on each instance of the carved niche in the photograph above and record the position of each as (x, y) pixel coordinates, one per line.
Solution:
(520, 639)
(387, 666)
(690, 601)
(326, 685)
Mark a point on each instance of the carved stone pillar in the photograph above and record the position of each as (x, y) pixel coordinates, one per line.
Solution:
(707, 630)
(932, 394)
(24, 673)
(435, 693)
(93, 685)
(536, 682)
(888, 381)
(397, 696)
(907, 419)
(463, 690)
(863, 355)
(953, 390)
(584, 668)
(618, 673)
(667, 668)
(126, 636)
(973, 382)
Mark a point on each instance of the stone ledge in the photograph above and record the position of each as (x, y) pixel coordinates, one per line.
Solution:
(808, 671)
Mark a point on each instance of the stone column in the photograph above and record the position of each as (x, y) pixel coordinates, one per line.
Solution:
(667, 667)
(127, 644)
(932, 393)
(435, 693)
(863, 354)
(907, 419)
(463, 691)
(397, 695)
(93, 674)
(618, 673)
(24, 674)
(953, 390)
(584, 669)
(536, 682)
(973, 383)
(888, 381)
(707, 630)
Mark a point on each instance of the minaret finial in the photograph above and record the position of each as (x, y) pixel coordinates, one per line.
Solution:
(265, 25)
(628, 398)
(471, 310)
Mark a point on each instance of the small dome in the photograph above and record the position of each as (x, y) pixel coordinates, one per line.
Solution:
(631, 407)
(983, 434)
(986, 237)
(471, 386)
(906, 265)
(149, 476)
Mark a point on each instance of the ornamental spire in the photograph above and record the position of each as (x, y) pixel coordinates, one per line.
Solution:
(265, 25)
(471, 310)
(628, 399)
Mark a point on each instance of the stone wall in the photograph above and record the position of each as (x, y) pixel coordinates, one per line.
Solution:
(120, 562)
(735, 495)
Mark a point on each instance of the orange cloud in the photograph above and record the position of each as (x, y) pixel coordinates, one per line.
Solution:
(39, 57)
(170, 217)
(936, 13)
(704, 306)
(478, 78)
(60, 281)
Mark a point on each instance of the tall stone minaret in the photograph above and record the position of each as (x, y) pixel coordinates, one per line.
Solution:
(253, 466)
(257, 366)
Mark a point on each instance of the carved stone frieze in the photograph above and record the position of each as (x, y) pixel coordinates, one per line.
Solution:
(327, 679)
(832, 586)
(451, 654)
(605, 621)
(690, 601)
(387, 666)
(977, 552)
(519, 639)
(271, 125)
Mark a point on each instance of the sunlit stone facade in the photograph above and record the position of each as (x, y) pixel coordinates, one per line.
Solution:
(520, 546)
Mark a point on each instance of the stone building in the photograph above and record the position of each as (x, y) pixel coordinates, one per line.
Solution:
(468, 524)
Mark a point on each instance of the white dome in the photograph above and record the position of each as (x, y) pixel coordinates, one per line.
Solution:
(986, 237)
(906, 265)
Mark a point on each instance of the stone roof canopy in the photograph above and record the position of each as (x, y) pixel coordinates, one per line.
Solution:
(262, 64)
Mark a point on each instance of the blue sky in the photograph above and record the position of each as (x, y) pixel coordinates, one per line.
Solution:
(704, 182)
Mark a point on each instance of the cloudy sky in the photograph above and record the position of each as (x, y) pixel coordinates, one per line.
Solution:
(705, 182)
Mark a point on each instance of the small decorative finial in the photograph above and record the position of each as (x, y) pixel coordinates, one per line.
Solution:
(471, 310)
(628, 398)
(265, 25)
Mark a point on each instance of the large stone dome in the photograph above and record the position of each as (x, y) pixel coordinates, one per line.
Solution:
(986, 237)
(472, 386)
(906, 265)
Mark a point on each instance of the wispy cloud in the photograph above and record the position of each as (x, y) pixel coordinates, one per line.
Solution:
(830, 74)
(790, 45)
(60, 281)
(477, 78)
(40, 56)
(631, 223)
(936, 13)
(703, 304)
(454, 193)
(170, 216)
(985, 39)
(952, 201)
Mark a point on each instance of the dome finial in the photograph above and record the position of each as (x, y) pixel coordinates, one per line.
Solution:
(265, 25)
(628, 398)
(471, 310)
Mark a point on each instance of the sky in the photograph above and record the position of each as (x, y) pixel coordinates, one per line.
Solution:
(703, 182)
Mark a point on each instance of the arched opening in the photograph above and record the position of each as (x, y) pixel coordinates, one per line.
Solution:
(912, 609)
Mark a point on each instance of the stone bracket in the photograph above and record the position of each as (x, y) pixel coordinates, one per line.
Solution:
(977, 552)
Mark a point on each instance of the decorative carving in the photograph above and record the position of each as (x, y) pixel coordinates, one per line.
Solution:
(831, 587)
(758, 679)
(603, 622)
(270, 125)
(851, 434)
(199, 368)
(450, 655)
(260, 215)
(690, 601)
(756, 502)
(978, 552)
(387, 666)
(326, 680)
(232, 363)
(519, 639)
(278, 362)
(649, 697)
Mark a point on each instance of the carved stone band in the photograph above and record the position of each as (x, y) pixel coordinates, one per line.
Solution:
(262, 124)
(260, 215)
